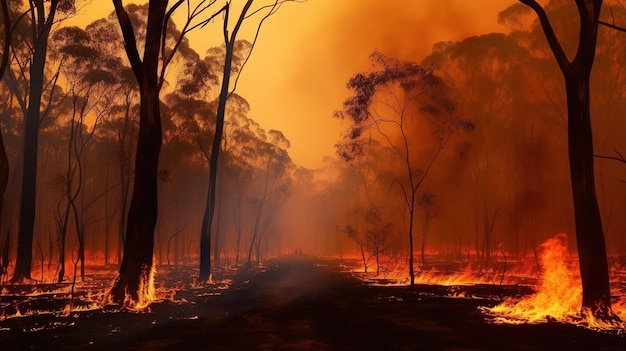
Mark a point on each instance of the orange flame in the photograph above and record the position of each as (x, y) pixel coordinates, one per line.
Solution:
(558, 296)
(146, 294)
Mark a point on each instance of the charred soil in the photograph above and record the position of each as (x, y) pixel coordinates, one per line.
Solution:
(303, 304)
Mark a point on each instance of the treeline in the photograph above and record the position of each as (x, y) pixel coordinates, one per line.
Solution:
(87, 141)
(467, 150)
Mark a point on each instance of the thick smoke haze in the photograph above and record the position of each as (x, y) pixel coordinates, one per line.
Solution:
(307, 53)
(501, 185)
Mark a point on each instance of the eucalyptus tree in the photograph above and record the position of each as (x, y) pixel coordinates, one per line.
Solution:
(488, 75)
(390, 105)
(134, 282)
(370, 213)
(90, 78)
(589, 231)
(4, 160)
(273, 173)
(187, 123)
(42, 18)
(119, 129)
(230, 41)
(242, 141)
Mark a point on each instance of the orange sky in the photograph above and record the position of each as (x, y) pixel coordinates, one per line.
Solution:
(307, 51)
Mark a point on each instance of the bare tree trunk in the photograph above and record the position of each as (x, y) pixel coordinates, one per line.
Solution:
(137, 260)
(256, 230)
(218, 214)
(125, 174)
(107, 223)
(237, 220)
(62, 224)
(411, 259)
(205, 235)
(589, 232)
(31, 135)
(425, 228)
(136, 269)
(4, 161)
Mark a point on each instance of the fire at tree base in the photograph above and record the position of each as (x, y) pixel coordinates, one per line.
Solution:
(558, 296)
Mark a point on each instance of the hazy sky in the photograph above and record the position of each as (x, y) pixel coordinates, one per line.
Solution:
(306, 53)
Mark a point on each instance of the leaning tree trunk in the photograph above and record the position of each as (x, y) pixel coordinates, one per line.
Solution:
(205, 234)
(209, 213)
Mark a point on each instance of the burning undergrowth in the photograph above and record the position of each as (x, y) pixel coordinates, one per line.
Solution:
(558, 295)
(34, 307)
(515, 292)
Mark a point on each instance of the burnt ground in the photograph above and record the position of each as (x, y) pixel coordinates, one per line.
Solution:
(303, 304)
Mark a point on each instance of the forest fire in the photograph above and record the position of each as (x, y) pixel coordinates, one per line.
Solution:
(146, 292)
(89, 294)
(558, 294)
(554, 295)
(146, 202)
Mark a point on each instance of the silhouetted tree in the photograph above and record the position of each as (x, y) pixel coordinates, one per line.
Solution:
(135, 275)
(589, 231)
(43, 18)
(230, 40)
(410, 90)
(120, 125)
(4, 160)
(90, 79)
(425, 202)
(273, 173)
(488, 75)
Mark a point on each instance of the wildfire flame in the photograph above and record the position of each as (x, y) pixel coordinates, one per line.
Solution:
(558, 295)
(146, 294)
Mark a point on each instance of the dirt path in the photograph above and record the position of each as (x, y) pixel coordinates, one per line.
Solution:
(300, 304)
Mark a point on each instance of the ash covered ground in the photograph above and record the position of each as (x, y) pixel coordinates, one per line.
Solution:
(292, 303)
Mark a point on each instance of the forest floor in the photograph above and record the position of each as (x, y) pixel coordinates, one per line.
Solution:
(300, 304)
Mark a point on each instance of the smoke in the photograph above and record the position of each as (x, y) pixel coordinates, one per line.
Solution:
(508, 182)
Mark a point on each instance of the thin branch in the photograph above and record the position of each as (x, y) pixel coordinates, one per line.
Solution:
(612, 26)
(555, 45)
(7, 37)
(130, 44)
(46, 112)
(166, 20)
(404, 192)
(208, 20)
(273, 10)
(619, 157)
(274, 7)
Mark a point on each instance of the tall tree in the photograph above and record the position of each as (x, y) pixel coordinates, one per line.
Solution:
(90, 78)
(273, 177)
(4, 160)
(411, 90)
(42, 18)
(121, 124)
(230, 41)
(589, 231)
(136, 271)
(488, 75)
